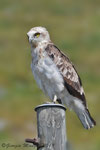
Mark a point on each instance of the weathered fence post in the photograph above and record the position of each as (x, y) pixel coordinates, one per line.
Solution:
(51, 126)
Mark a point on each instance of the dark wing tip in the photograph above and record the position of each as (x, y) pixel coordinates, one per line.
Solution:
(72, 91)
(93, 121)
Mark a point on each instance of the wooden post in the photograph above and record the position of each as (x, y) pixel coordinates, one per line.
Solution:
(51, 126)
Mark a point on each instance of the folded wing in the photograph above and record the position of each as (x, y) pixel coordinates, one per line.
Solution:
(71, 78)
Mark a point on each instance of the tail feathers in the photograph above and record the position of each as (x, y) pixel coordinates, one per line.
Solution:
(86, 119)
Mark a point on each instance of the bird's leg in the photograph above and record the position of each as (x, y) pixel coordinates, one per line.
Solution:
(55, 99)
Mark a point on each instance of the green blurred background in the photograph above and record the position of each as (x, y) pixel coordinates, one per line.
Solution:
(74, 26)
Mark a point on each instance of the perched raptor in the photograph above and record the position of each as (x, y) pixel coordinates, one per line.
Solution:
(56, 75)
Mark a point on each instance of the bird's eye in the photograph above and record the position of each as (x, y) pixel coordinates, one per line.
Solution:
(37, 34)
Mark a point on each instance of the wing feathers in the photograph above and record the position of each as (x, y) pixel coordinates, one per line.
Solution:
(71, 78)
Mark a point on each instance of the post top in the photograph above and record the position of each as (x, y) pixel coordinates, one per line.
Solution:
(50, 105)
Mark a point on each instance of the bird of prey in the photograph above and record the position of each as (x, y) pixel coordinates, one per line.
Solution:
(56, 75)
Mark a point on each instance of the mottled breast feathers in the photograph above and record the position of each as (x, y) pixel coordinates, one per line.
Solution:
(71, 78)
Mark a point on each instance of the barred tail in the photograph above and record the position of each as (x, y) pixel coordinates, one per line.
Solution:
(86, 119)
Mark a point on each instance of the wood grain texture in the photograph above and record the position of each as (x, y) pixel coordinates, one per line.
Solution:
(51, 127)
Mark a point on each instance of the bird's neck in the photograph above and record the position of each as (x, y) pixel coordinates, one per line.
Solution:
(41, 44)
(35, 50)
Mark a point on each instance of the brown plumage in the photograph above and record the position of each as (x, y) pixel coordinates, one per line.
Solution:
(71, 78)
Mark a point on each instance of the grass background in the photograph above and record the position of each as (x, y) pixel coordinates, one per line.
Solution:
(74, 26)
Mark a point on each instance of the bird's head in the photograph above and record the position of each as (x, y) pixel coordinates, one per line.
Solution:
(37, 35)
